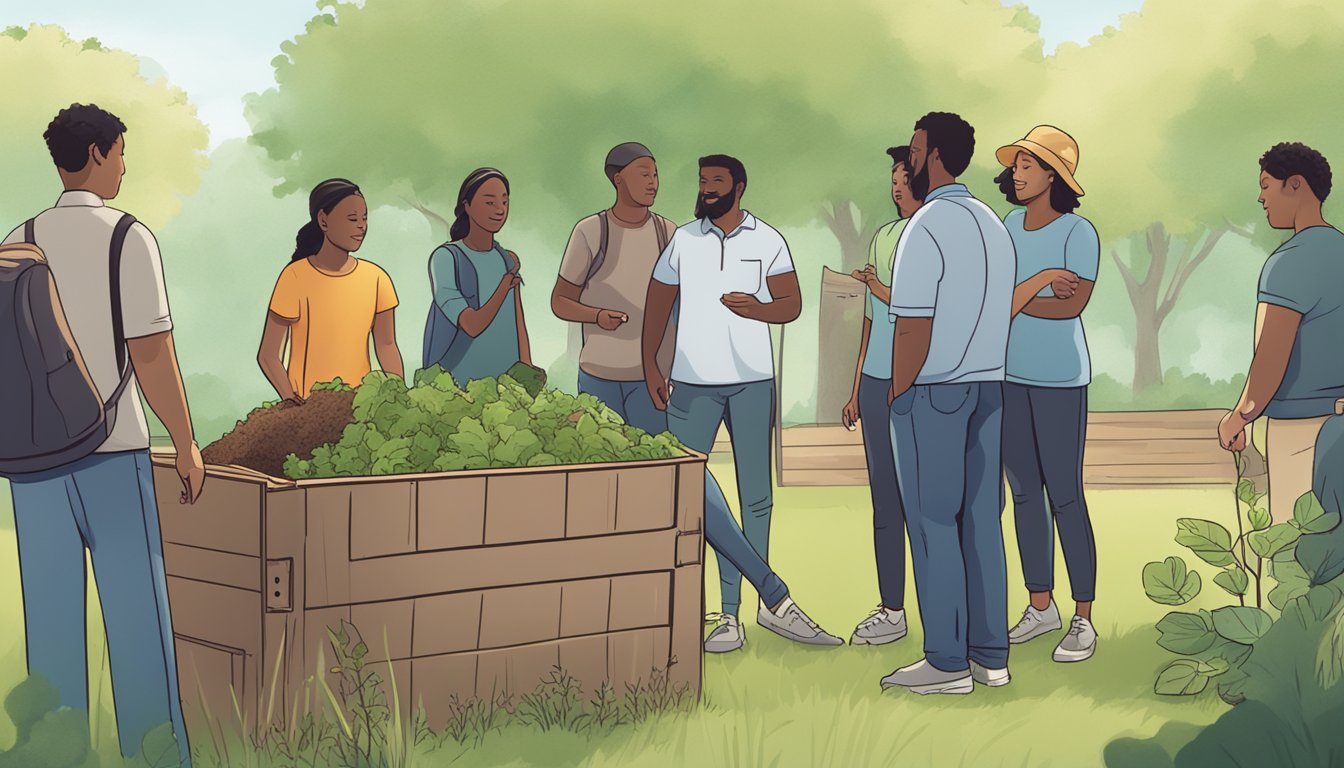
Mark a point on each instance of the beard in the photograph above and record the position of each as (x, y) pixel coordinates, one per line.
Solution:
(704, 210)
(919, 182)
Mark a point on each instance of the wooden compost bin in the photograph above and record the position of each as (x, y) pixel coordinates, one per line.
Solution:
(481, 581)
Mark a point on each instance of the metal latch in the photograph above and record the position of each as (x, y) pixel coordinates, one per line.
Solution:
(279, 580)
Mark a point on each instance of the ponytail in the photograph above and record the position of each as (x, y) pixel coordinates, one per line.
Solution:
(461, 223)
(324, 197)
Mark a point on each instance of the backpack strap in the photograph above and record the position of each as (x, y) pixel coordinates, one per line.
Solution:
(28, 232)
(464, 274)
(661, 228)
(119, 233)
(605, 228)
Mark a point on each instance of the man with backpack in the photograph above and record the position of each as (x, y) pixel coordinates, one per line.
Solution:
(604, 278)
(86, 332)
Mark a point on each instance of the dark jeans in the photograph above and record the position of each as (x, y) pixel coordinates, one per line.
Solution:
(1044, 429)
(693, 415)
(948, 440)
(888, 512)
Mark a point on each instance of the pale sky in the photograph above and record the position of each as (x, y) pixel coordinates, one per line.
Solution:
(220, 52)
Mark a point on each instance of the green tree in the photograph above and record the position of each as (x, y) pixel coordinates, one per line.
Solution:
(165, 140)
(1161, 107)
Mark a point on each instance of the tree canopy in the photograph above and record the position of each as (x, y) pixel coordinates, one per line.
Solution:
(165, 141)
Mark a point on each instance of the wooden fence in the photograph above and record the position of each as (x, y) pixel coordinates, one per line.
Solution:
(1124, 450)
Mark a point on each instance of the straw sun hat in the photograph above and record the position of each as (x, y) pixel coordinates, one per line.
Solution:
(1051, 145)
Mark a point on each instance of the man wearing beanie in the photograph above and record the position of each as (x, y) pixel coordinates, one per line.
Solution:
(604, 277)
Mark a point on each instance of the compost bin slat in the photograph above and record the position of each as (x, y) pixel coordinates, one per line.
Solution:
(460, 584)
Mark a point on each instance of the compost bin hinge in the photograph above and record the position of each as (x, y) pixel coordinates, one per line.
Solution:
(279, 579)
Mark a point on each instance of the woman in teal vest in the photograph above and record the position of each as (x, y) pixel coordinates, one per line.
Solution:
(476, 327)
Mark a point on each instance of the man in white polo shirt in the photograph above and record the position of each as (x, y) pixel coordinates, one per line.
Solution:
(105, 502)
(951, 298)
(733, 277)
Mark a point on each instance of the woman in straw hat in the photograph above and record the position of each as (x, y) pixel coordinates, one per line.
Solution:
(1045, 396)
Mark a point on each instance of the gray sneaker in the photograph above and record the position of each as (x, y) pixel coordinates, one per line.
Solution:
(1035, 623)
(1079, 644)
(924, 678)
(792, 624)
(726, 637)
(881, 627)
(994, 678)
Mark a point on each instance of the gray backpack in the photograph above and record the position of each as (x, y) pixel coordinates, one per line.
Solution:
(48, 401)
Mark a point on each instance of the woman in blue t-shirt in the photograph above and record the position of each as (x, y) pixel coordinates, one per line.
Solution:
(1045, 395)
(480, 312)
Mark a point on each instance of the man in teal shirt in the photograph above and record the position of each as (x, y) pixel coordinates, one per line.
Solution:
(867, 408)
(1297, 373)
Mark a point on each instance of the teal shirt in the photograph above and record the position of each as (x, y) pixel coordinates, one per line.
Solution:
(1305, 275)
(494, 351)
(882, 327)
(1044, 352)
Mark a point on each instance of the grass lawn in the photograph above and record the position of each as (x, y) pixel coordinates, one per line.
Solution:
(778, 704)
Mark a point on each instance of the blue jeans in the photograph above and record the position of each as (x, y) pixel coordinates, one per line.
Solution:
(628, 398)
(947, 439)
(693, 415)
(1044, 431)
(106, 503)
(888, 512)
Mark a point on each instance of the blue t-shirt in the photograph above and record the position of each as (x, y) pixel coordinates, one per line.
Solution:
(881, 326)
(1044, 352)
(494, 351)
(1306, 275)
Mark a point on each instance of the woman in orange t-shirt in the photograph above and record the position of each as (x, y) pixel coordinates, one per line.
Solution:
(327, 301)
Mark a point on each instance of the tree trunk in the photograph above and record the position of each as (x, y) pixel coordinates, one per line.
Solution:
(1152, 305)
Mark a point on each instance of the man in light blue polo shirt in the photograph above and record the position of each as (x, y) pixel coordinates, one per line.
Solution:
(733, 277)
(951, 297)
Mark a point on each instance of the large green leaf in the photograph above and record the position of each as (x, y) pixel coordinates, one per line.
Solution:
(1181, 678)
(1170, 582)
(1210, 541)
(1242, 624)
(1292, 582)
(1185, 633)
(1234, 580)
(1267, 543)
(1306, 510)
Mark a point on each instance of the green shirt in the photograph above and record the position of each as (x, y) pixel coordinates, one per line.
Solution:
(881, 329)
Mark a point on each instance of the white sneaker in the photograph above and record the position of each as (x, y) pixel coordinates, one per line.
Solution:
(1035, 623)
(994, 678)
(791, 623)
(924, 678)
(726, 637)
(1079, 644)
(881, 627)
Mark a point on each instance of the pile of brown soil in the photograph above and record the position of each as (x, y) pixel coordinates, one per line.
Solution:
(266, 438)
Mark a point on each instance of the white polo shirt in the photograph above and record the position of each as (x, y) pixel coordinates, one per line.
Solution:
(716, 347)
(76, 235)
(955, 263)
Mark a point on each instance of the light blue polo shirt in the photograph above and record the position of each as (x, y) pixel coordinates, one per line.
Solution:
(715, 346)
(955, 263)
(1043, 352)
(1306, 275)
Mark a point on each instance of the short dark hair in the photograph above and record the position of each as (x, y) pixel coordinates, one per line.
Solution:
(736, 170)
(899, 155)
(953, 137)
(75, 128)
(1288, 159)
(1062, 197)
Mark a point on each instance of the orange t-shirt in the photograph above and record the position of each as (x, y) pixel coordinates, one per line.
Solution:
(331, 316)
